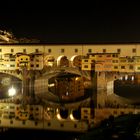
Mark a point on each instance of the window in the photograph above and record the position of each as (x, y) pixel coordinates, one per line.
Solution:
(133, 50)
(85, 66)
(131, 67)
(36, 50)
(24, 50)
(75, 125)
(12, 50)
(76, 50)
(37, 65)
(49, 50)
(122, 67)
(118, 50)
(86, 60)
(12, 65)
(113, 55)
(61, 124)
(0, 50)
(109, 55)
(62, 50)
(104, 50)
(115, 61)
(89, 50)
(123, 61)
(115, 67)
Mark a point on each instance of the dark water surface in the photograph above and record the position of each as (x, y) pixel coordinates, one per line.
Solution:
(129, 90)
(27, 134)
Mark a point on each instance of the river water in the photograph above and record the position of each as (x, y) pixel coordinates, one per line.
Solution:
(129, 90)
(17, 134)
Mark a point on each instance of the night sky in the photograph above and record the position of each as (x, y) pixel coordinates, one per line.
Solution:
(71, 22)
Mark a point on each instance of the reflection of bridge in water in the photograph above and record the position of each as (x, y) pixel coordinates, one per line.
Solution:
(39, 108)
(29, 109)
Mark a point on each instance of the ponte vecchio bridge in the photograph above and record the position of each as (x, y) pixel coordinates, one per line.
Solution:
(62, 85)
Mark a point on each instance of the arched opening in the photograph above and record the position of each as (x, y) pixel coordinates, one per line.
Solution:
(76, 61)
(62, 61)
(62, 114)
(75, 114)
(49, 60)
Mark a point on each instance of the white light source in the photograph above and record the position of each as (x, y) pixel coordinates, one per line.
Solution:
(121, 78)
(126, 77)
(132, 78)
(12, 92)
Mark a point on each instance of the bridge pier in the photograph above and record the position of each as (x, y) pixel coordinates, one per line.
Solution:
(103, 85)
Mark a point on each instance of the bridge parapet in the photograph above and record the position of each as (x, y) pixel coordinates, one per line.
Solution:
(13, 73)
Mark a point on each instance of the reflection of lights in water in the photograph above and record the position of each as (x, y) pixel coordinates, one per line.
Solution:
(126, 77)
(121, 78)
(51, 85)
(12, 91)
(132, 78)
(67, 93)
(6, 81)
(77, 78)
(72, 118)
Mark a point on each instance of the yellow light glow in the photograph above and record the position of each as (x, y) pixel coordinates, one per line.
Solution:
(12, 92)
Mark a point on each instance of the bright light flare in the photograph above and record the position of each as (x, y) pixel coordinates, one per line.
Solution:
(12, 92)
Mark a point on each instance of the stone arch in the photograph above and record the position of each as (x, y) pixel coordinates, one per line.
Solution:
(62, 114)
(75, 114)
(62, 61)
(76, 61)
(49, 60)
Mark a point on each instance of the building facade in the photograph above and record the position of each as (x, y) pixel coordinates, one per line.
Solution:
(113, 57)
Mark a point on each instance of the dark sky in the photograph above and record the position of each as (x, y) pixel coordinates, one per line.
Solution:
(71, 22)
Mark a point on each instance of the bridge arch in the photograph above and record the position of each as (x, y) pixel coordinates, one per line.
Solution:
(75, 114)
(49, 60)
(62, 114)
(76, 61)
(62, 61)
